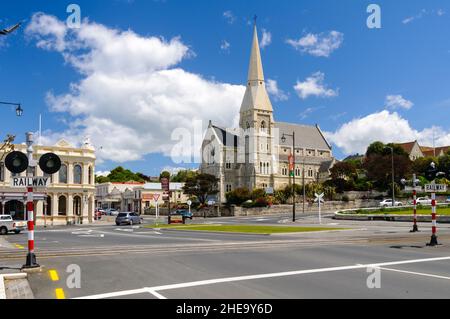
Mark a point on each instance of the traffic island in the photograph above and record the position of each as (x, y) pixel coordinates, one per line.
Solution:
(244, 229)
(404, 214)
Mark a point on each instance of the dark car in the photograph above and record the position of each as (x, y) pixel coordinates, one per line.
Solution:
(128, 219)
(183, 212)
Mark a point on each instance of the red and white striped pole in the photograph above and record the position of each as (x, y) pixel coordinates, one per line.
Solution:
(415, 228)
(31, 257)
(433, 241)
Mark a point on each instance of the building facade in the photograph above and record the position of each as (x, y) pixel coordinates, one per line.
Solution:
(70, 198)
(256, 155)
(415, 150)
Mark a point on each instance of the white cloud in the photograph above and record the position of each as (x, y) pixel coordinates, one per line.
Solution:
(132, 95)
(103, 173)
(307, 112)
(398, 101)
(422, 13)
(225, 46)
(321, 45)
(229, 16)
(356, 135)
(266, 39)
(273, 89)
(314, 86)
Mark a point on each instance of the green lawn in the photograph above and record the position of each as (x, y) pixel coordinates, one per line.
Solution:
(443, 211)
(250, 229)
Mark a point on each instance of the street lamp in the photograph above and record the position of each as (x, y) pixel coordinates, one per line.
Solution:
(393, 177)
(283, 139)
(19, 110)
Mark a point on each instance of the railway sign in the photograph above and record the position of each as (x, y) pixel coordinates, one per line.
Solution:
(25, 182)
(435, 188)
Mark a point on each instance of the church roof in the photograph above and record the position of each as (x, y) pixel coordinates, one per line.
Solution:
(226, 138)
(305, 136)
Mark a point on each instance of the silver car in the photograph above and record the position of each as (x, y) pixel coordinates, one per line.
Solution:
(128, 219)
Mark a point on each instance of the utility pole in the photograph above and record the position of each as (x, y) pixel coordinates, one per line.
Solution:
(292, 169)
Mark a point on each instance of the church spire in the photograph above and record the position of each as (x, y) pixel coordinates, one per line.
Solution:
(255, 72)
(256, 97)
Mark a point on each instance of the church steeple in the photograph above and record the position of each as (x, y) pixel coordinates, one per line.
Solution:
(256, 97)
(255, 72)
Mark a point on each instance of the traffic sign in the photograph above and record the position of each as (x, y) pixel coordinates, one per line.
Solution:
(37, 182)
(435, 188)
(156, 197)
(189, 202)
(269, 190)
(319, 197)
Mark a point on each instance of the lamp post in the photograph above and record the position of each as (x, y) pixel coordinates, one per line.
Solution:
(19, 110)
(393, 176)
(283, 139)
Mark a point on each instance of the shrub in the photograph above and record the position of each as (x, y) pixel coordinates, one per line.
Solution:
(238, 196)
(247, 204)
(258, 193)
(345, 198)
(261, 202)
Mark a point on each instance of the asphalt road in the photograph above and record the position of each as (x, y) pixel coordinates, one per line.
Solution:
(135, 262)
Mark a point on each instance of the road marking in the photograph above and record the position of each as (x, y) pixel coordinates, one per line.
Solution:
(260, 276)
(53, 275)
(154, 293)
(93, 236)
(19, 246)
(59, 292)
(415, 273)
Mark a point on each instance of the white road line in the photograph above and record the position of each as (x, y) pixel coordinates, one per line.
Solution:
(117, 294)
(415, 273)
(157, 295)
(261, 276)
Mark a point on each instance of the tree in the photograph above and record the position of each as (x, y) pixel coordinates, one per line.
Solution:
(120, 175)
(379, 169)
(201, 186)
(344, 170)
(164, 174)
(101, 179)
(182, 176)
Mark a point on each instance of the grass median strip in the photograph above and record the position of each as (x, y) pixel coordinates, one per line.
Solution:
(249, 229)
(441, 211)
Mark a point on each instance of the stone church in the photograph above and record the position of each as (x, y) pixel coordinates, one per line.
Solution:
(256, 155)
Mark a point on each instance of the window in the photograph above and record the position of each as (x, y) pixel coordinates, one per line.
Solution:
(263, 127)
(229, 188)
(310, 173)
(63, 174)
(2, 172)
(228, 165)
(284, 171)
(62, 206)
(77, 174)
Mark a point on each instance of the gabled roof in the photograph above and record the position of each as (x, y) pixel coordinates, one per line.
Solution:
(225, 137)
(306, 136)
(407, 147)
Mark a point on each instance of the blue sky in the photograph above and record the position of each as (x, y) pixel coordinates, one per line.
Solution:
(389, 83)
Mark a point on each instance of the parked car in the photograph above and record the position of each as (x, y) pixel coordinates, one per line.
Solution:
(423, 201)
(388, 203)
(183, 212)
(447, 200)
(112, 212)
(98, 214)
(102, 211)
(128, 219)
(7, 225)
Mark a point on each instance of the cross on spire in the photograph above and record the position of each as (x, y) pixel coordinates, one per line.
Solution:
(255, 18)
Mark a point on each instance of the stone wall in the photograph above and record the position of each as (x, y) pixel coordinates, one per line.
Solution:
(309, 208)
